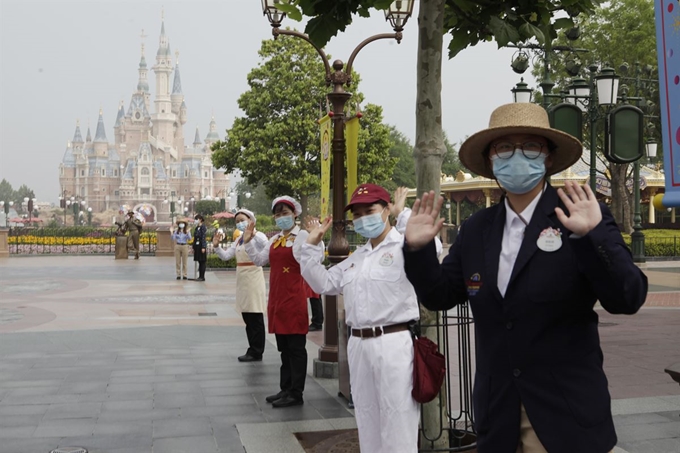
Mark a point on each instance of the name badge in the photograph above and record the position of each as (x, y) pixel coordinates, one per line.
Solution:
(550, 239)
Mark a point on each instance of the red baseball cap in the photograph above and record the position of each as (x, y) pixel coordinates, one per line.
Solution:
(369, 194)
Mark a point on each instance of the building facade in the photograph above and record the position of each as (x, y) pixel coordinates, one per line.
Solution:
(148, 165)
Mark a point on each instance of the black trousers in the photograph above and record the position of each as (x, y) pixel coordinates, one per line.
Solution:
(201, 268)
(255, 333)
(317, 311)
(293, 363)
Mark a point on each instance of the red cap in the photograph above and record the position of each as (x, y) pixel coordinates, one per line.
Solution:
(369, 194)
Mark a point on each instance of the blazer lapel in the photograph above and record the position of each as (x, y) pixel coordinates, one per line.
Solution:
(539, 221)
(493, 239)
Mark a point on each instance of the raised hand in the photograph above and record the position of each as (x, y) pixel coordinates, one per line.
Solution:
(217, 238)
(317, 233)
(399, 201)
(424, 223)
(309, 223)
(249, 232)
(584, 210)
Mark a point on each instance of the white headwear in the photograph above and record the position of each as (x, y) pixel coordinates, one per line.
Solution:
(247, 213)
(290, 201)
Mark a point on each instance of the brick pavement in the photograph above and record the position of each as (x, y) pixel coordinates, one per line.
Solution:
(117, 357)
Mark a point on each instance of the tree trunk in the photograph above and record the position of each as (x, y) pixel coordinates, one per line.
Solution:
(429, 152)
(304, 201)
(621, 198)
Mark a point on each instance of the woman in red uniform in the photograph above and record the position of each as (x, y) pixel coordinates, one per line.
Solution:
(287, 313)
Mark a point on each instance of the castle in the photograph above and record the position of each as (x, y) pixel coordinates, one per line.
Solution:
(148, 164)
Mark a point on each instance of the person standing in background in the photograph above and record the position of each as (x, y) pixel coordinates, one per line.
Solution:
(200, 246)
(251, 296)
(181, 237)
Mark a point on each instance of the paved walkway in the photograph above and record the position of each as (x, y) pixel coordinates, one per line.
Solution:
(119, 357)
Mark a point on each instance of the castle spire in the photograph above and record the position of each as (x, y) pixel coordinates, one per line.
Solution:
(212, 135)
(143, 84)
(88, 138)
(77, 136)
(121, 115)
(100, 133)
(177, 84)
(197, 138)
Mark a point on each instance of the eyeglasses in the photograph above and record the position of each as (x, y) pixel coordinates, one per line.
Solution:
(505, 150)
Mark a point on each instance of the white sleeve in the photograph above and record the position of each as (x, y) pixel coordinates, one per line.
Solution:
(260, 240)
(402, 220)
(226, 255)
(260, 257)
(320, 279)
(300, 240)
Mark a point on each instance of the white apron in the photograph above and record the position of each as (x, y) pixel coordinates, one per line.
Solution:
(251, 293)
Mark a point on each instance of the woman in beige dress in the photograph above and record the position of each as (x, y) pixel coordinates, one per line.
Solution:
(251, 295)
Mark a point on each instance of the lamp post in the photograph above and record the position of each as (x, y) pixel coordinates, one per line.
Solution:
(397, 14)
(171, 200)
(6, 205)
(89, 216)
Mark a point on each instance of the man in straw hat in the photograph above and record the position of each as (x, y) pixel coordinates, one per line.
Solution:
(532, 268)
(134, 227)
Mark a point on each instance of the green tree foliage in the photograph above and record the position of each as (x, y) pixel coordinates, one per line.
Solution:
(404, 173)
(6, 191)
(207, 207)
(467, 21)
(276, 143)
(451, 165)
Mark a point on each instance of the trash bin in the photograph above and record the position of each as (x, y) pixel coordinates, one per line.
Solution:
(121, 248)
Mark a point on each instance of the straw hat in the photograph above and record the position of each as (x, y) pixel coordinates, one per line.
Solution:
(519, 118)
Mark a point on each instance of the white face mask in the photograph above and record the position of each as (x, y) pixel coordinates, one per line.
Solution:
(181, 225)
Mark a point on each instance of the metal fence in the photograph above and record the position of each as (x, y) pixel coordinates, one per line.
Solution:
(72, 241)
(447, 422)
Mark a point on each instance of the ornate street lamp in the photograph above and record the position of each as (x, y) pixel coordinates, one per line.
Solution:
(171, 201)
(521, 93)
(89, 216)
(397, 14)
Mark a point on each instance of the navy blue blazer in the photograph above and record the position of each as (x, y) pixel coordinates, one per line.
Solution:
(538, 345)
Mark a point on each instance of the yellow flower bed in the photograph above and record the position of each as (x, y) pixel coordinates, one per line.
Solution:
(56, 240)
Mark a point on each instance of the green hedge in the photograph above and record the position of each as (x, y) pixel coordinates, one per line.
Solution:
(215, 262)
(659, 242)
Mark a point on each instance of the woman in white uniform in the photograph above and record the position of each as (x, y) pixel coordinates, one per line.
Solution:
(379, 304)
(251, 295)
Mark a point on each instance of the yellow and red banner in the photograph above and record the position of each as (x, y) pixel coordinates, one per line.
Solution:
(325, 133)
(352, 141)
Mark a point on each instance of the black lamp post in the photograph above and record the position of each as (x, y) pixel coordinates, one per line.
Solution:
(398, 14)
(521, 93)
(6, 205)
(171, 200)
(89, 216)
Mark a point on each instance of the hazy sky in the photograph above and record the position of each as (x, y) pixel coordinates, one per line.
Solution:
(64, 60)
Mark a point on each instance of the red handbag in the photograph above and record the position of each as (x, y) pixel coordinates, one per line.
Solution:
(429, 370)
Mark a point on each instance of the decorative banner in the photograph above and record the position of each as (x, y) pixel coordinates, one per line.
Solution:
(668, 53)
(352, 140)
(325, 133)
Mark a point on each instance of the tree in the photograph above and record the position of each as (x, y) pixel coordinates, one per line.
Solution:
(451, 165)
(6, 191)
(404, 173)
(207, 207)
(276, 144)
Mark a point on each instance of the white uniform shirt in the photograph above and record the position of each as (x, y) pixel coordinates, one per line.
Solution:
(260, 240)
(372, 280)
(513, 234)
(295, 239)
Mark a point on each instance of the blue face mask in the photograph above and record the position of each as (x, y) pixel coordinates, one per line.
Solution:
(370, 226)
(241, 226)
(285, 223)
(518, 174)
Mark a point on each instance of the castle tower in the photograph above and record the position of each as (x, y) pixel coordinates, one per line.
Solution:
(212, 136)
(179, 108)
(163, 119)
(101, 145)
(143, 83)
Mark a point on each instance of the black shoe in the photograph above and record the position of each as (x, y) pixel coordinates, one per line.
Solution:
(278, 396)
(288, 401)
(200, 279)
(179, 278)
(183, 278)
(315, 327)
(249, 358)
